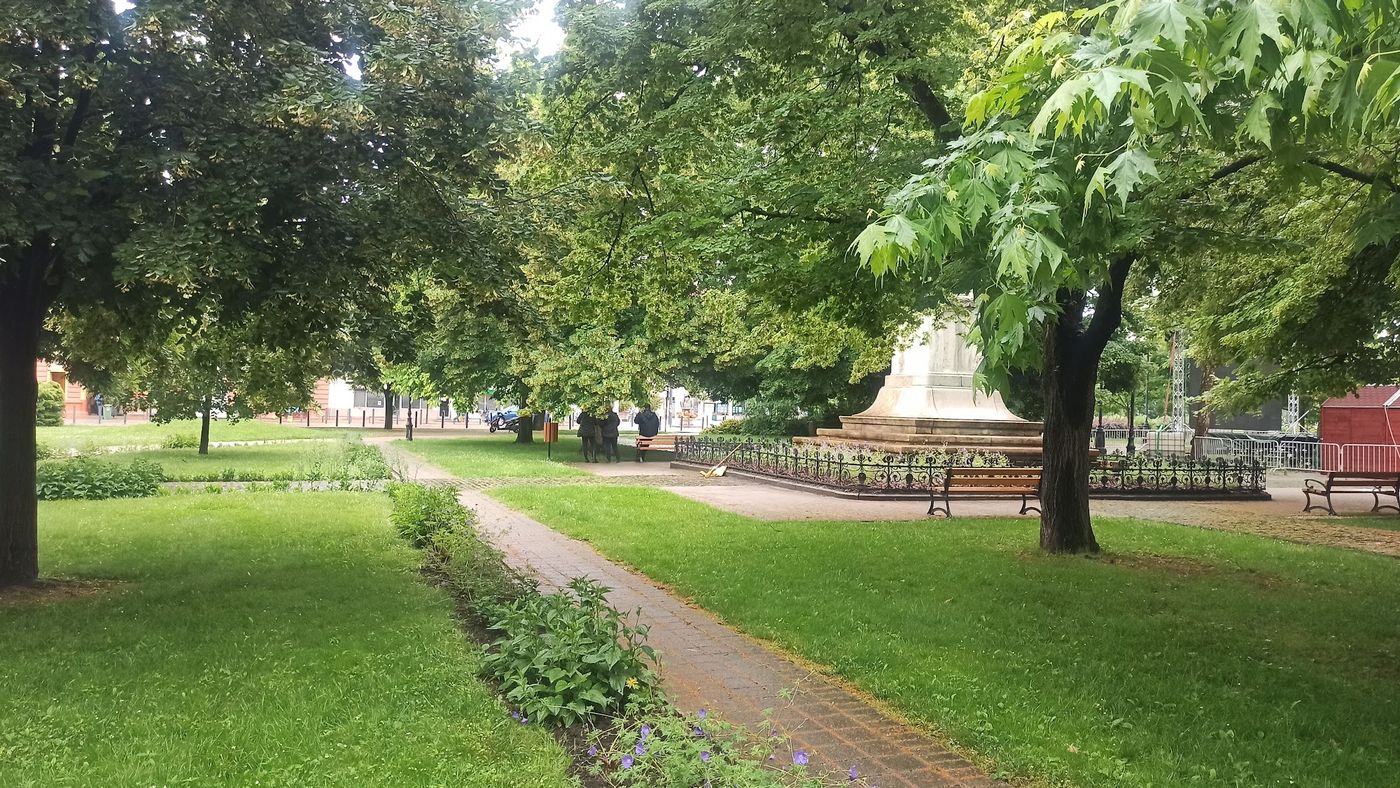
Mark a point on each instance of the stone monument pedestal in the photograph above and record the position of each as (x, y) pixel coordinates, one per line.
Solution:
(930, 402)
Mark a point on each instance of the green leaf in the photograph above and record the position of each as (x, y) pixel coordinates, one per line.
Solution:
(1256, 124)
(1167, 19)
(1251, 23)
(1106, 82)
(1130, 169)
(1060, 104)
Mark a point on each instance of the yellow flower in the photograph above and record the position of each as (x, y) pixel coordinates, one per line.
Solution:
(631, 683)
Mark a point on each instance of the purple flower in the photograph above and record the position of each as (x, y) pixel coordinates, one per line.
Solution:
(800, 757)
(646, 731)
(626, 761)
(593, 751)
(702, 714)
(853, 774)
(515, 715)
(641, 750)
(699, 732)
(524, 720)
(704, 756)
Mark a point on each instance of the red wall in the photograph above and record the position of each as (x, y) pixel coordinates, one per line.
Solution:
(1361, 418)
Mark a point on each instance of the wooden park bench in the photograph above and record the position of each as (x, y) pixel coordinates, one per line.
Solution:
(657, 443)
(1372, 483)
(987, 483)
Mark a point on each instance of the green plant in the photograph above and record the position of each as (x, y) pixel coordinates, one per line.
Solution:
(94, 480)
(473, 569)
(568, 656)
(180, 440)
(43, 451)
(48, 410)
(746, 427)
(421, 510)
(664, 748)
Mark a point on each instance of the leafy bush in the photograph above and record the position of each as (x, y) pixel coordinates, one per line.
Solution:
(746, 427)
(43, 451)
(48, 412)
(421, 511)
(567, 656)
(89, 479)
(180, 440)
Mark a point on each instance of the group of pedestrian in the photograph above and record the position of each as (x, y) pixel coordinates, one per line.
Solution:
(600, 432)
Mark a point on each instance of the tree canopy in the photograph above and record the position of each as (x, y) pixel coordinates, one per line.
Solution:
(203, 161)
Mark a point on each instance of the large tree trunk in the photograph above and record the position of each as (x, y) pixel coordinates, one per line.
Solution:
(204, 427)
(388, 406)
(1071, 369)
(1068, 388)
(23, 302)
(525, 430)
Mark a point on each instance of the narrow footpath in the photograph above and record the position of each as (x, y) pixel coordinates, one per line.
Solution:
(705, 664)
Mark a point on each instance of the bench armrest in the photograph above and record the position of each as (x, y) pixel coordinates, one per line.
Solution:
(1314, 485)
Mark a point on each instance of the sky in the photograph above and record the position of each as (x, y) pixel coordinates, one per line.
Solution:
(536, 28)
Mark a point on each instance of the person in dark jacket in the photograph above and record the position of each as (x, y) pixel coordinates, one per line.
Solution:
(588, 432)
(610, 425)
(648, 424)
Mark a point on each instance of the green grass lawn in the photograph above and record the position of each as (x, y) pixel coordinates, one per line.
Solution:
(1182, 657)
(272, 462)
(274, 639)
(81, 436)
(499, 456)
(1389, 522)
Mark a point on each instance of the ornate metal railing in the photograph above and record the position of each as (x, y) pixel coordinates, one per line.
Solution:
(868, 469)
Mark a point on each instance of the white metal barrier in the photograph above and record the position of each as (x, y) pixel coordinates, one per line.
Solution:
(1370, 457)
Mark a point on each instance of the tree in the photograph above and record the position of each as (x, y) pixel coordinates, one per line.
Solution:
(224, 159)
(701, 168)
(1054, 192)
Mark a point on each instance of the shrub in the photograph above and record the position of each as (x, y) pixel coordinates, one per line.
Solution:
(48, 412)
(180, 440)
(745, 427)
(474, 570)
(567, 656)
(421, 511)
(43, 451)
(95, 480)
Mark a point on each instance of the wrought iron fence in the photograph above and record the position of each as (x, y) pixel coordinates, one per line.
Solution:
(868, 469)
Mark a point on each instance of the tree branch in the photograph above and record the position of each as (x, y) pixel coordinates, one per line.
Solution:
(1108, 309)
(767, 214)
(1374, 179)
(1233, 167)
(927, 100)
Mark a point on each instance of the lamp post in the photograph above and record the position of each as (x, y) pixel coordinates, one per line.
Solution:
(1132, 407)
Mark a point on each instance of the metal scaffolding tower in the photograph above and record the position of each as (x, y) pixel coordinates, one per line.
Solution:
(1292, 418)
(1180, 413)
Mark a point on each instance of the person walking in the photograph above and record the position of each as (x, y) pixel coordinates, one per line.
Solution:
(610, 425)
(587, 432)
(648, 424)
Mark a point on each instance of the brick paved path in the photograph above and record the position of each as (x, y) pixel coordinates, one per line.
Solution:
(705, 664)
